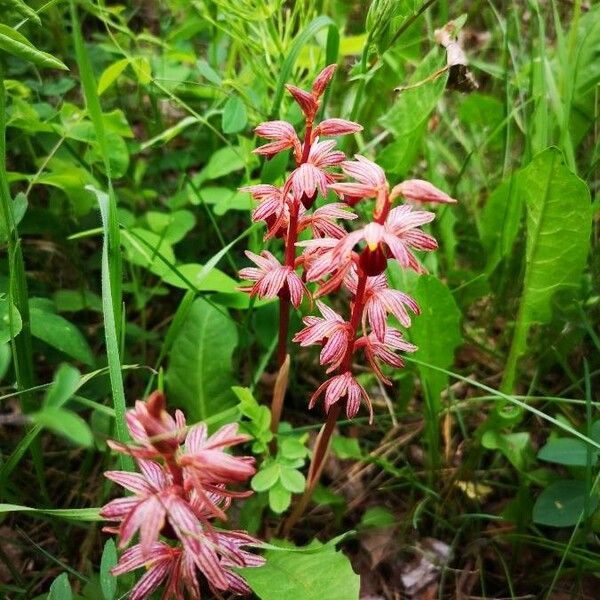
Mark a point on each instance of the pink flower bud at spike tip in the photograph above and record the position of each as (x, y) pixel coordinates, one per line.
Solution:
(420, 191)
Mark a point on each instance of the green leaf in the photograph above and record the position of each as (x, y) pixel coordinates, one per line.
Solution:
(171, 132)
(208, 72)
(235, 117)
(315, 575)
(567, 451)
(279, 498)
(414, 106)
(377, 516)
(515, 446)
(346, 447)
(107, 212)
(200, 374)
(72, 514)
(292, 480)
(66, 382)
(558, 232)
(146, 254)
(111, 74)
(436, 331)
(222, 162)
(172, 226)
(24, 10)
(60, 589)
(14, 43)
(65, 423)
(76, 300)
(142, 69)
(500, 222)
(562, 503)
(61, 334)
(266, 477)
(108, 582)
(10, 321)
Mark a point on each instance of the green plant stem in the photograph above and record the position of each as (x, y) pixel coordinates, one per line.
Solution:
(17, 285)
(21, 349)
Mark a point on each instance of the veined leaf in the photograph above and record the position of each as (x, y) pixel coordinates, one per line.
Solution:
(108, 582)
(10, 321)
(200, 374)
(562, 503)
(60, 333)
(111, 74)
(558, 231)
(311, 575)
(60, 589)
(65, 423)
(235, 117)
(14, 43)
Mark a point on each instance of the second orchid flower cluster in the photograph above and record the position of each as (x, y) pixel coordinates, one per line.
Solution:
(333, 258)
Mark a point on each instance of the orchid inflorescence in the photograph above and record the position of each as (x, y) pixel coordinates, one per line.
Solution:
(180, 489)
(333, 258)
(184, 473)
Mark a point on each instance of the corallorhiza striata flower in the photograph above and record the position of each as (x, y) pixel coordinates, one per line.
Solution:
(180, 488)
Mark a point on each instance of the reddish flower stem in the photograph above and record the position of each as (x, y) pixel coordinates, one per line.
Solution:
(290, 261)
(324, 438)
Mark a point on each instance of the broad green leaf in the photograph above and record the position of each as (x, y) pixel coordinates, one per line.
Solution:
(235, 117)
(235, 201)
(377, 516)
(200, 373)
(413, 106)
(311, 575)
(213, 281)
(10, 321)
(567, 451)
(266, 477)
(66, 382)
(208, 72)
(65, 423)
(279, 498)
(515, 446)
(14, 43)
(558, 233)
(562, 503)
(173, 225)
(76, 300)
(500, 222)
(108, 582)
(346, 447)
(142, 69)
(60, 589)
(436, 331)
(111, 74)
(61, 334)
(224, 161)
(292, 480)
(72, 514)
